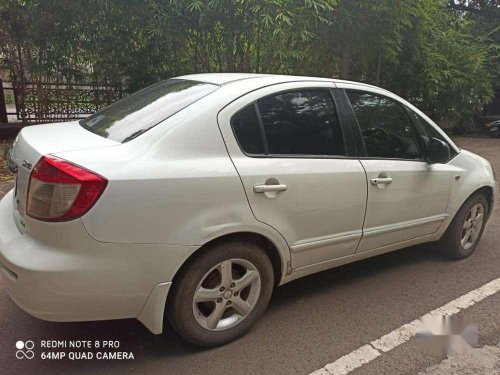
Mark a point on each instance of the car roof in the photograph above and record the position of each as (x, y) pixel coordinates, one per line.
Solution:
(228, 78)
(221, 78)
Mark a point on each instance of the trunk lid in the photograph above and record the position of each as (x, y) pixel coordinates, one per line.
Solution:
(35, 141)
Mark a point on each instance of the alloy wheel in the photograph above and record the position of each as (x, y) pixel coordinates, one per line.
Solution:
(472, 226)
(226, 295)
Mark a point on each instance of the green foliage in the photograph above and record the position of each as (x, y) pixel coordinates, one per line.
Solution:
(444, 66)
(9, 98)
(441, 55)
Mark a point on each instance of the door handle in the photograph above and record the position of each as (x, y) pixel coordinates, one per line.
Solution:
(269, 188)
(381, 180)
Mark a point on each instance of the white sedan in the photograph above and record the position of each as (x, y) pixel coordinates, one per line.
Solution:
(192, 198)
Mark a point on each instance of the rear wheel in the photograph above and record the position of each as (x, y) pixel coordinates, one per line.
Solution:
(466, 229)
(221, 294)
(495, 134)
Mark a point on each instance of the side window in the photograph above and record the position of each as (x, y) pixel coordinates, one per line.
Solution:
(431, 132)
(301, 123)
(387, 130)
(247, 131)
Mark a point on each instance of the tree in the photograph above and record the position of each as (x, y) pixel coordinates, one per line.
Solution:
(444, 67)
(442, 55)
(363, 35)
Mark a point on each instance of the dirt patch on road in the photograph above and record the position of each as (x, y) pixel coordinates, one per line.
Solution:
(487, 147)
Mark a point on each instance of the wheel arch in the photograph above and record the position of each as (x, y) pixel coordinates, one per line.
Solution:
(279, 258)
(154, 313)
(488, 193)
(486, 190)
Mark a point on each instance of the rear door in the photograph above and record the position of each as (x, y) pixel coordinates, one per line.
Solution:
(407, 197)
(298, 168)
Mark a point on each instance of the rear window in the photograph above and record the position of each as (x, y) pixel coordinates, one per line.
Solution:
(139, 112)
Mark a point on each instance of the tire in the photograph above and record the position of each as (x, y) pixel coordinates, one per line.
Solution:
(452, 244)
(202, 278)
(495, 134)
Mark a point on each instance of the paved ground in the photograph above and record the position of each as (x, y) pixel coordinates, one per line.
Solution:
(5, 186)
(309, 323)
(484, 361)
(4, 172)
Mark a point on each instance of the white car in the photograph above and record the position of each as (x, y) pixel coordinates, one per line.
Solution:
(192, 198)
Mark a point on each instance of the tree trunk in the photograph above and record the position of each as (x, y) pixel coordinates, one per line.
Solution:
(345, 64)
(257, 62)
(379, 65)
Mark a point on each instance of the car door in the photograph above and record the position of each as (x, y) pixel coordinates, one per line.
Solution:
(407, 197)
(297, 169)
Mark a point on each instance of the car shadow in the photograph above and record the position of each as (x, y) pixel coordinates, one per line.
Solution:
(329, 280)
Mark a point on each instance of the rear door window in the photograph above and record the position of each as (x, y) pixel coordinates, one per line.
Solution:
(135, 114)
(301, 123)
(291, 123)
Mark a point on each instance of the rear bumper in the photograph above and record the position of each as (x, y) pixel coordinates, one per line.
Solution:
(65, 275)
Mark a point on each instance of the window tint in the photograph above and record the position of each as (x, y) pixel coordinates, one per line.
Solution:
(431, 131)
(301, 123)
(247, 131)
(387, 130)
(139, 112)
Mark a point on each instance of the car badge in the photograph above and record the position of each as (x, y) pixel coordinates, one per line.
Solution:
(27, 164)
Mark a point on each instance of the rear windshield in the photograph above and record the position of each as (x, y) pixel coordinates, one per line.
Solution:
(139, 112)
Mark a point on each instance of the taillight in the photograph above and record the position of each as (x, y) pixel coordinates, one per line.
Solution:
(61, 191)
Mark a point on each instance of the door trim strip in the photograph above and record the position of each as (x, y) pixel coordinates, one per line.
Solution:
(325, 241)
(375, 231)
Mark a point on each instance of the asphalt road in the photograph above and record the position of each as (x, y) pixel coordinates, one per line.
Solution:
(310, 322)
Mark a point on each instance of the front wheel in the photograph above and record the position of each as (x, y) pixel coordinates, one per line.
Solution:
(466, 229)
(221, 294)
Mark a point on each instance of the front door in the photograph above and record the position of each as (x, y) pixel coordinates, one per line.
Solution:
(407, 197)
(288, 147)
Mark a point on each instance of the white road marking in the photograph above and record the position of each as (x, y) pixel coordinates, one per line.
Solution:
(349, 362)
(369, 352)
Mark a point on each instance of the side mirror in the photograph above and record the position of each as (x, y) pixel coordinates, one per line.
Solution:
(437, 151)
